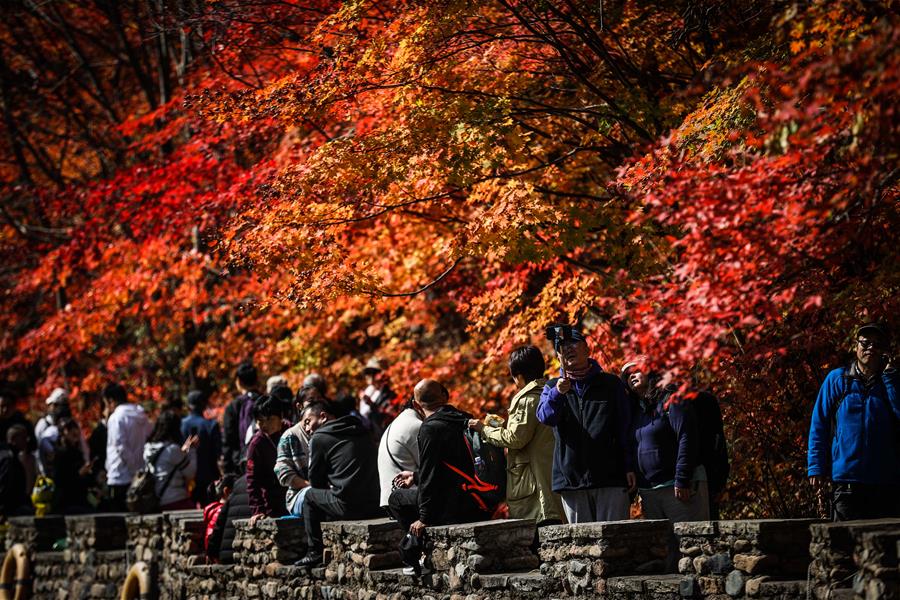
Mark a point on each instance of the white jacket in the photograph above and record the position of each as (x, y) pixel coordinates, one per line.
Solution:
(127, 430)
(171, 458)
(402, 440)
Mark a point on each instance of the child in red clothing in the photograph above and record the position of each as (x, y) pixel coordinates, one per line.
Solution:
(212, 510)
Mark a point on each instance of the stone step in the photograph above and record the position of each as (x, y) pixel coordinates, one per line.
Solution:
(517, 584)
(640, 587)
(496, 586)
(773, 588)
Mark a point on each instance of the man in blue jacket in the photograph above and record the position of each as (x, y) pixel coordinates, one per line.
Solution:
(853, 438)
(590, 414)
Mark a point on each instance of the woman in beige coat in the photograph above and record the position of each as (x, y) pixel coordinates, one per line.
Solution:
(529, 461)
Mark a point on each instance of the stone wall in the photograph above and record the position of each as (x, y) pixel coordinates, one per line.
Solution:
(269, 543)
(494, 560)
(74, 557)
(855, 559)
(759, 559)
(581, 558)
(182, 549)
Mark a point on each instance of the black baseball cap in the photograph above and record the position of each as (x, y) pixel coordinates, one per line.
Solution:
(874, 329)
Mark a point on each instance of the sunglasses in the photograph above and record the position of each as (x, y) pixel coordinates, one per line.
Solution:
(866, 344)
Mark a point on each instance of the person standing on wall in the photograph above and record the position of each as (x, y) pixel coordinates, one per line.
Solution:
(854, 431)
(590, 413)
(529, 461)
(127, 430)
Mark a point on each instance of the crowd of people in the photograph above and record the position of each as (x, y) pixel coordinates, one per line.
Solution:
(578, 447)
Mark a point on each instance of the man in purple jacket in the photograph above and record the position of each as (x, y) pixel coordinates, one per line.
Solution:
(590, 414)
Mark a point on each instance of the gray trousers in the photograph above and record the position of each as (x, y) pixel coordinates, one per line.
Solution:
(598, 504)
(662, 504)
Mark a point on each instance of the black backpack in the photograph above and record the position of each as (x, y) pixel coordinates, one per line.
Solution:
(488, 487)
(141, 496)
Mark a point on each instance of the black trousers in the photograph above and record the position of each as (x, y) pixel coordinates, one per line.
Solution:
(116, 499)
(852, 501)
(321, 505)
(403, 505)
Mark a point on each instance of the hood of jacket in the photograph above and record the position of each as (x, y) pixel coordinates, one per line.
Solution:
(345, 426)
(450, 415)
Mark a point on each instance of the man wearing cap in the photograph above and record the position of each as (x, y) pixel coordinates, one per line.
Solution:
(46, 431)
(853, 436)
(376, 399)
(591, 415)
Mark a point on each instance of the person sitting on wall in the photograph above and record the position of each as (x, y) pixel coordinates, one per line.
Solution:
(398, 450)
(266, 493)
(343, 474)
(445, 467)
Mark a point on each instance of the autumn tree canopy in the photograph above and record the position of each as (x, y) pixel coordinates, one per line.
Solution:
(713, 184)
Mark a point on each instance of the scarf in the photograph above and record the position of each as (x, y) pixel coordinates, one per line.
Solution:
(583, 373)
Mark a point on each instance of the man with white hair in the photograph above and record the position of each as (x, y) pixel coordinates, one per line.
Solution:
(46, 431)
(275, 381)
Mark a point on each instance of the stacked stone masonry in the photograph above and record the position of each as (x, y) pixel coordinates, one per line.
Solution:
(88, 557)
(76, 557)
(855, 559)
(732, 559)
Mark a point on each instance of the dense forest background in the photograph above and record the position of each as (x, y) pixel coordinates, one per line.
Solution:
(186, 184)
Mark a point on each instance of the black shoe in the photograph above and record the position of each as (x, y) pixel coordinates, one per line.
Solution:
(310, 561)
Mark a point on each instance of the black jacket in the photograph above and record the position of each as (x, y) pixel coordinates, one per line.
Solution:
(238, 507)
(442, 444)
(70, 494)
(231, 441)
(13, 497)
(592, 425)
(342, 457)
(713, 450)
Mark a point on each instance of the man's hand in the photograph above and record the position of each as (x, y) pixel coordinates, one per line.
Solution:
(404, 479)
(417, 528)
(683, 494)
(190, 442)
(631, 478)
(255, 518)
(476, 425)
(817, 481)
(563, 385)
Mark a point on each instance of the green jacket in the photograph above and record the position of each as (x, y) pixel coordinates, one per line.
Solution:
(529, 461)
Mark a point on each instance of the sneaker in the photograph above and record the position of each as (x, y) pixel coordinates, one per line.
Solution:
(310, 561)
(409, 571)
